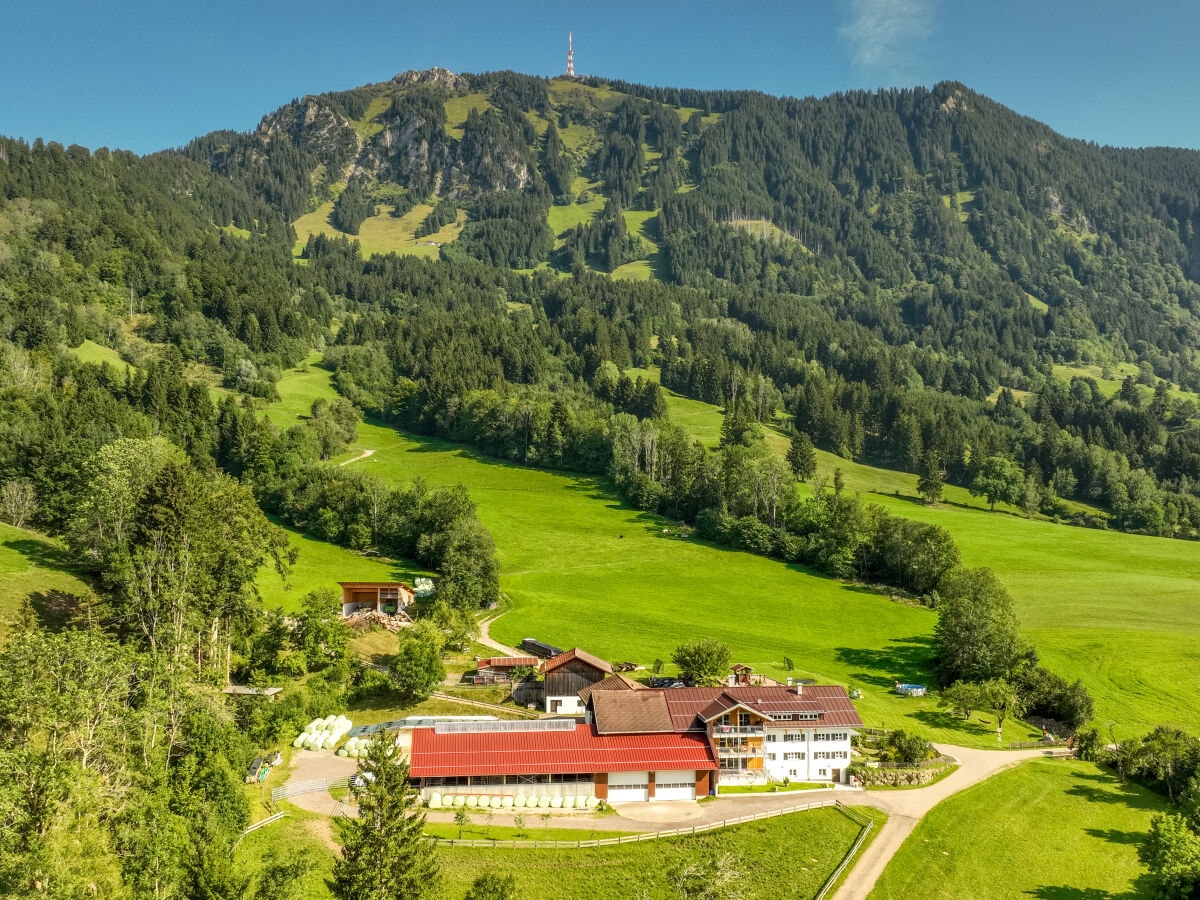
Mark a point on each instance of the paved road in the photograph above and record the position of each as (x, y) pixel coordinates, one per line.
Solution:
(906, 808)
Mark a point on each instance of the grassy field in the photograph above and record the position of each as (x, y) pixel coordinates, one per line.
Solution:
(1055, 829)
(322, 565)
(37, 567)
(91, 352)
(818, 839)
(458, 108)
(567, 544)
(799, 851)
(381, 233)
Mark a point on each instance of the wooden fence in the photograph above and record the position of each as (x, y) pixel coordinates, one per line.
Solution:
(867, 824)
(636, 838)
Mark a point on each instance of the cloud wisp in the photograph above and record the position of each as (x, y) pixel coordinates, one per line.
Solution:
(884, 35)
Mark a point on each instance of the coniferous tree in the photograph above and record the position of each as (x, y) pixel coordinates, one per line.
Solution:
(385, 853)
(802, 457)
(931, 477)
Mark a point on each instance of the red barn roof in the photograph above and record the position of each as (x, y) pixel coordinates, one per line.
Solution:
(581, 751)
(583, 656)
(508, 662)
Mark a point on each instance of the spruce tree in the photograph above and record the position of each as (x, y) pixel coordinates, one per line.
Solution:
(385, 853)
(931, 477)
(802, 457)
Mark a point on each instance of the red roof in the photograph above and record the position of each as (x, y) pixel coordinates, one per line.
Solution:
(582, 655)
(581, 751)
(830, 702)
(508, 662)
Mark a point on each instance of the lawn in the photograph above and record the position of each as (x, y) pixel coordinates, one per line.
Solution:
(799, 851)
(818, 839)
(1048, 828)
(37, 567)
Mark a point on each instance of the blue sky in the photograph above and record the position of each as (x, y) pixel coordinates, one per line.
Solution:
(147, 75)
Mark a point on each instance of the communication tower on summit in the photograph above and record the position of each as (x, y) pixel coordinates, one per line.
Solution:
(570, 56)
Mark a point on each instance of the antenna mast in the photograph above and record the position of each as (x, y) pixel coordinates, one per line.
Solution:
(570, 55)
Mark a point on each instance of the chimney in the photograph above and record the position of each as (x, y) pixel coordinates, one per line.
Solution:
(732, 680)
(799, 687)
(789, 683)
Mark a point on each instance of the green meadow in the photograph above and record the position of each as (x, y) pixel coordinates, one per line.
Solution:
(816, 841)
(819, 839)
(1047, 828)
(582, 567)
(39, 569)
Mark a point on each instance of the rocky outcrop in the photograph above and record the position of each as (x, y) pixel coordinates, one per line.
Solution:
(436, 76)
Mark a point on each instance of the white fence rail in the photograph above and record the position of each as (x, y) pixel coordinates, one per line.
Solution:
(312, 786)
(636, 838)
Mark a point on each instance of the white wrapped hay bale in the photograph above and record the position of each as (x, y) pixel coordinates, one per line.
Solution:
(556, 803)
(568, 803)
(435, 800)
(507, 802)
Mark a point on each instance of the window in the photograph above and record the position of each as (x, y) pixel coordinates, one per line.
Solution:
(822, 772)
(792, 772)
(744, 719)
(771, 757)
(772, 738)
(831, 736)
(795, 755)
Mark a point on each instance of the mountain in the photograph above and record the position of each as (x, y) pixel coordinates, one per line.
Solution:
(901, 273)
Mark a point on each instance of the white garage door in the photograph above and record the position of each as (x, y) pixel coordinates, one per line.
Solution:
(675, 784)
(625, 787)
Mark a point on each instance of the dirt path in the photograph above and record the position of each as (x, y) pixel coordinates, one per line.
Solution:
(362, 455)
(486, 639)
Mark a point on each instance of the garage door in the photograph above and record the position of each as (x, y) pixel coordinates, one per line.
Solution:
(675, 784)
(626, 787)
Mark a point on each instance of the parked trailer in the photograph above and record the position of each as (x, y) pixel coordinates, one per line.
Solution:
(540, 649)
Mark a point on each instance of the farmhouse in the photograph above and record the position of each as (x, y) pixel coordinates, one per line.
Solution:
(386, 597)
(639, 743)
(569, 673)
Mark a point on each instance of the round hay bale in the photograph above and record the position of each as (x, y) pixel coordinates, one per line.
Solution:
(472, 800)
(460, 800)
(435, 800)
(556, 802)
(507, 802)
(543, 802)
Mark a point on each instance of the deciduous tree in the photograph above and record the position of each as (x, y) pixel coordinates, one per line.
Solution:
(703, 662)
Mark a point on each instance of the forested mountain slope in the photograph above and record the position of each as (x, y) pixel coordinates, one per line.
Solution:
(898, 273)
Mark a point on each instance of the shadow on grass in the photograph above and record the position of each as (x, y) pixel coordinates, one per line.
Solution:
(903, 659)
(934, 718)
(1048, 892)
(1113, 836)
(43, 554)
(1115, 791)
